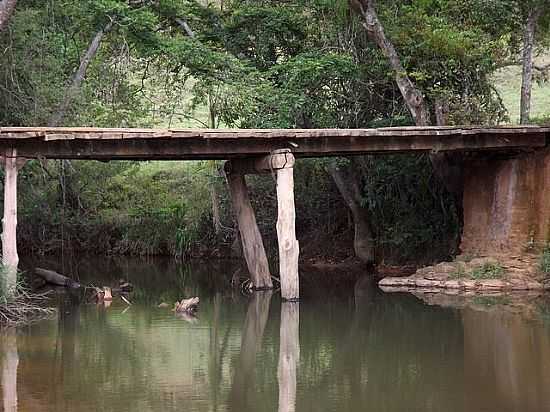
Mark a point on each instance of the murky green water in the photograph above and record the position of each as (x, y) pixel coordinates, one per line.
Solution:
(349, 348)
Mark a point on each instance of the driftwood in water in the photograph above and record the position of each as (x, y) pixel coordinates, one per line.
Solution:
(187, 306)
(56, 278)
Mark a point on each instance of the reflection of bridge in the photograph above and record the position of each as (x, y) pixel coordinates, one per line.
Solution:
(506, 193)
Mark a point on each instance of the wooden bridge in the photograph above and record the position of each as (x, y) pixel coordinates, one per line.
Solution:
(274, 151)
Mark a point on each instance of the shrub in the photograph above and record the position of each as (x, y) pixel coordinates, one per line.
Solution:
(488, 270)
(544, 261)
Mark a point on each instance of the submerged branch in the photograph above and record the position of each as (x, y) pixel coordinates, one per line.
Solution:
(24, 308)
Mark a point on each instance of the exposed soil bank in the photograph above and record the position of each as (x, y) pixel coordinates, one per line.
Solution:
(506, 204)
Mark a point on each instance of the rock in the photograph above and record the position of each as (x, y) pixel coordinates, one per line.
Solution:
(468, 284)
(445, 268)
(423, 283)
(452, 284)
(492, 284)
(164, 305)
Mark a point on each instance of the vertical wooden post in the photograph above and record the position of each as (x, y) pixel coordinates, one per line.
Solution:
(10, 259)
(289, 354)
(253, 246)
(289, 249)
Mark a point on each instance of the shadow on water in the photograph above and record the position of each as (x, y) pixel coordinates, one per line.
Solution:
(351, 348)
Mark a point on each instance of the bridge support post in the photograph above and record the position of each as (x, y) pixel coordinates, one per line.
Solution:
(281, 163)
(10, 259)
(289, 248)
(251, 238)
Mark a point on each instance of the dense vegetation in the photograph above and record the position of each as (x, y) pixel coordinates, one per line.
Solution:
(239, 63)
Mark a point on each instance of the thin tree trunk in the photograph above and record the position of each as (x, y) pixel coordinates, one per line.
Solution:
(74, 88)
(216, 219)
(186, 28)
(527, 75)
(349, 186)
(447, 168)
(7, 8)
(412, 96)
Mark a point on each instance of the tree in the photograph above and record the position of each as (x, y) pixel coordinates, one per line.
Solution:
(7, 7)
(532, 12)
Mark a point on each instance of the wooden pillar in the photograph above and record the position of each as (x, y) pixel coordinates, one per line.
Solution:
(289, 355)
(289, 249)
(251, 238)
(10, 259)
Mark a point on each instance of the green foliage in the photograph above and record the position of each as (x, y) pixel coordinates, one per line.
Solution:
(488, 271)
(264, 64)
(411, 210)
(544, 261)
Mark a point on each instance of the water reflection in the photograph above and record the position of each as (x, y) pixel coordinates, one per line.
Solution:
(10, 361)
(289, 354)
(507, 363)
(243, 386)
(355, 352)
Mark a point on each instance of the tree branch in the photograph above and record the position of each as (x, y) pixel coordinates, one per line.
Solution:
(74, 88)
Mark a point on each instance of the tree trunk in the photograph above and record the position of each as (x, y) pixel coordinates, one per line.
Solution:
(412, 96)
(74, 88)
(527, 75)
(216, 219)
(253, 246)
(185, 27)
(446, 167)
(56, 278)
(349, 186)
(7, 8)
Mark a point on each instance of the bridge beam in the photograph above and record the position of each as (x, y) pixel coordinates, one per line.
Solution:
(10, 258)
(281, 164)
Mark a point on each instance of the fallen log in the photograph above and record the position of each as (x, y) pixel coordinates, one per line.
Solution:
(56, 278)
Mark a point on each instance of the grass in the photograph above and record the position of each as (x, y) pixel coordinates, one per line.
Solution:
(488, 270)
(544, 261)
(508, 83)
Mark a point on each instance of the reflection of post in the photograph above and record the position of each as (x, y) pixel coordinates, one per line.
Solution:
(289, 354)
(9, 371)
(252, 335)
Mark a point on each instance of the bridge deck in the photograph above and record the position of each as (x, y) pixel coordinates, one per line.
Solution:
(150, 144)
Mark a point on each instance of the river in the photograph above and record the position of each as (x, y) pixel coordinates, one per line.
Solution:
(342, 348)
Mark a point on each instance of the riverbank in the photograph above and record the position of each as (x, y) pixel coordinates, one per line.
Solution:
(473, 275)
